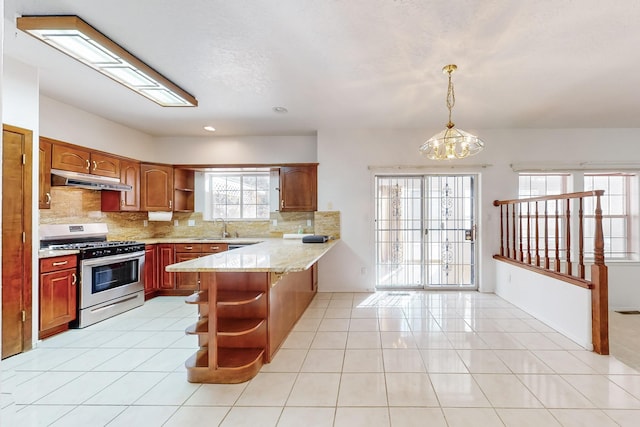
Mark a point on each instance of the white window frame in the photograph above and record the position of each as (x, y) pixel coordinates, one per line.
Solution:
(209, 202)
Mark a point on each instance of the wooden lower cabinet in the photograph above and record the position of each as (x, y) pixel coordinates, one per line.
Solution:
(244, 319)
(150, 272)
(165, 254)
(187, 251)
(58, 294)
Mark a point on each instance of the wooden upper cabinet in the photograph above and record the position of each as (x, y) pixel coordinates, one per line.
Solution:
(44, 175)
(156, 187)
(70, 158)
(105, 165)
(75, 159)
(118, 201)
(298, 188)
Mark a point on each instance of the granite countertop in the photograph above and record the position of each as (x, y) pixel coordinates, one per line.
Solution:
(272, 255)
(50, 253)
(229, 240)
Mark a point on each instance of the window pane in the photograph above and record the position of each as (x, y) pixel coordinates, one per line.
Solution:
(238, 195)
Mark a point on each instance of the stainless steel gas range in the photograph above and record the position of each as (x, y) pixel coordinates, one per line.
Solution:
(111, 273)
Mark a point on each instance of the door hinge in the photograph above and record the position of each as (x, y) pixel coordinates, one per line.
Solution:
(24, 159)
(24, 315)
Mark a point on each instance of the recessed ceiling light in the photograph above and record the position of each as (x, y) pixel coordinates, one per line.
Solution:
(280, 110)
(209, 128)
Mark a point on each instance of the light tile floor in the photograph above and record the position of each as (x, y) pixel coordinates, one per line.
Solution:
(384, 359)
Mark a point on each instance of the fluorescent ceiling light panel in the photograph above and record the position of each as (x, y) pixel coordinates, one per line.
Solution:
(76, 38)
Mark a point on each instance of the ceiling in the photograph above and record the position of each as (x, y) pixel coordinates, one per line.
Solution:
(353, 63)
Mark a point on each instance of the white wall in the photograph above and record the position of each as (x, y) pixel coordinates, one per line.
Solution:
(66, 123)
(562, 306)
(230, 150)
(346, 184)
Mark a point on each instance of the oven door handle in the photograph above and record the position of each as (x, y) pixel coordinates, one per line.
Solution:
(112, 258)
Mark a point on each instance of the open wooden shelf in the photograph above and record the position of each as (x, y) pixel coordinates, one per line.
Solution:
(201, 327)
(235, 365)
(200, 297)
(239, 358)
(238, 297)
(237, 327)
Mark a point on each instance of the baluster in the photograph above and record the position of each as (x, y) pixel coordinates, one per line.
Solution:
(546, 236)
(513, 226)
(537, 239)
(599, 235)
(569, 236)
(520, 231)
(528, 233)
(508, 248)
(557, 262)
(501, 233)
(580, 241)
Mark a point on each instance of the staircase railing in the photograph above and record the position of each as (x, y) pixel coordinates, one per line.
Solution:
(534, 238)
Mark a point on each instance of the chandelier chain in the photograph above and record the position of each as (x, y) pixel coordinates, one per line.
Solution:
(451, 99)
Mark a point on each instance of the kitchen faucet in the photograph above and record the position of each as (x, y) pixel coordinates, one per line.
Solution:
(225, 234)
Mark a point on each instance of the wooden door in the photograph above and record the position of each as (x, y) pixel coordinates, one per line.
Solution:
(156, 192)
(17, 153)
(44, 175)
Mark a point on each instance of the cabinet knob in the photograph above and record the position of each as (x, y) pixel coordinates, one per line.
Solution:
(47, 198)
(188, 248)
(95, 165)
(215, 248)
(170, 204)
(282, 204)
(88, 165)
(59, 263)
(75, 279)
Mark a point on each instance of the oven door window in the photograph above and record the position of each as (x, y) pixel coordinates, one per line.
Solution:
(114, 275)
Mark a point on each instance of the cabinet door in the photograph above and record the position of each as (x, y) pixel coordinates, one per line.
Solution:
(150, 271)
(44, 181)
(105, 165)
(57, 298)
(166, 256)
(70, 158)
(130, 174)
(156, 190)
(187, 281)
(298, 188)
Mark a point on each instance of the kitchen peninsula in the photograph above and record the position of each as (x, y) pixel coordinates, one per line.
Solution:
(248, 299)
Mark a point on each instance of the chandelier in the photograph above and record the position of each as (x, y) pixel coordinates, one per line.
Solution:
(451, 143)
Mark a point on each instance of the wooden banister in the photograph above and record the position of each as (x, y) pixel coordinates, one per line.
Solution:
(514, 236)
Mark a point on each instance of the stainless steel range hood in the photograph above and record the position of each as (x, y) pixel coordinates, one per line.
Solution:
(85, 180)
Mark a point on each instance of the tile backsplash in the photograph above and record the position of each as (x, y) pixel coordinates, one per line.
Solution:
(79, 206)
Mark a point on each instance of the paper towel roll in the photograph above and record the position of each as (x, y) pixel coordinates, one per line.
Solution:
(160, 216)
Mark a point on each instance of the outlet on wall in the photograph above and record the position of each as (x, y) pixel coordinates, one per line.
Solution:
(176, 223)
(308, 223)
(274, 222)
(191, 223)
(145, 223)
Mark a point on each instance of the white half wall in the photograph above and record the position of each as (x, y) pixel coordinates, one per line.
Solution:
(561, 305)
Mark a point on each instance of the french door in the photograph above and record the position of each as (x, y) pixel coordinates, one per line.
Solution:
(425, 232)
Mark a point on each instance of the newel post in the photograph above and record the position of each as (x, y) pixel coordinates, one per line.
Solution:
(600, 290)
